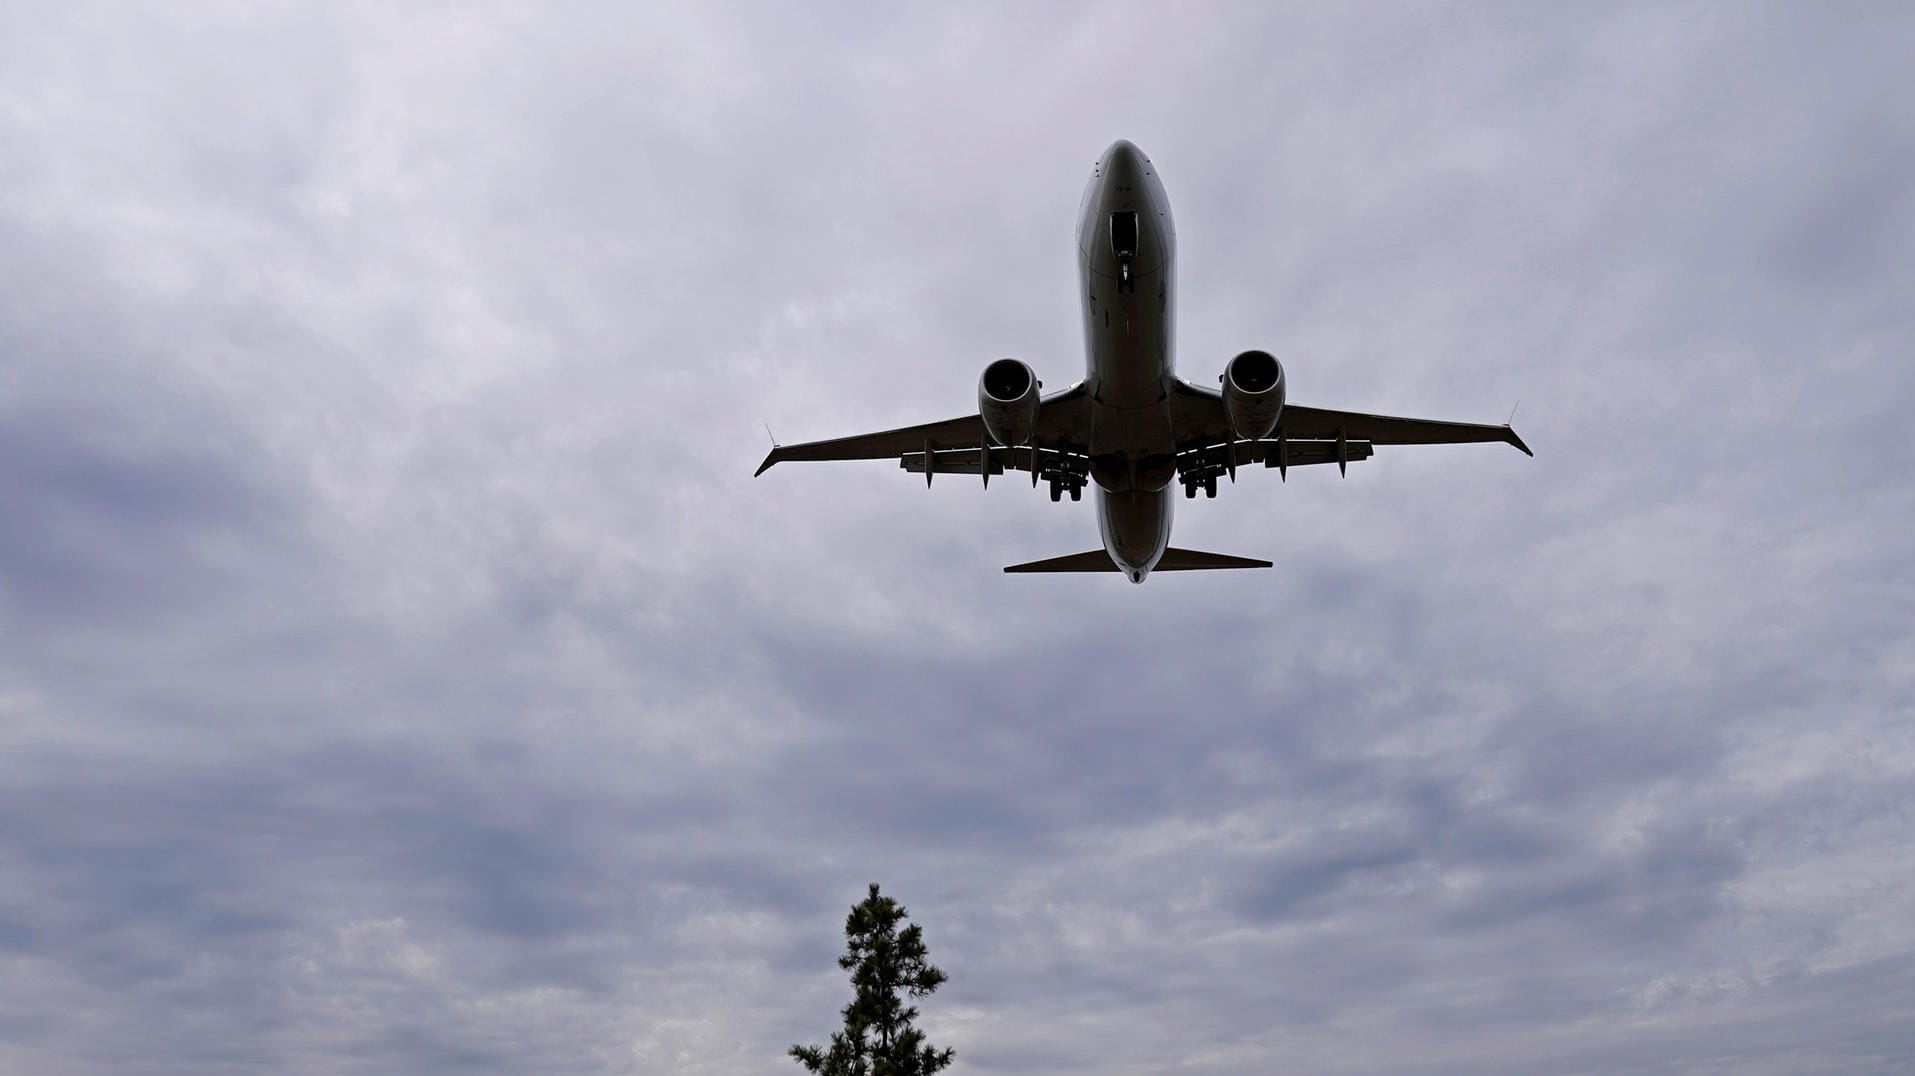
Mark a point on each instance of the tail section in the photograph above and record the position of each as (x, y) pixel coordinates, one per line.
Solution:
(1173, 560)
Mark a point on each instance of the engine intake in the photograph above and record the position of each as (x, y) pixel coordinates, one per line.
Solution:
(1007, 401)
(1253, 394)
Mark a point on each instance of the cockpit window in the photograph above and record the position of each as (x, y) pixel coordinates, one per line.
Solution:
(1123, 235)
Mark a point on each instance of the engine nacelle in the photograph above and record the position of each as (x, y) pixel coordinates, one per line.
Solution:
(1253, 394)
(1007, 401)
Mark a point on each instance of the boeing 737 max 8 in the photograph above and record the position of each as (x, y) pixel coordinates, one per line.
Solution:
(1132, 426)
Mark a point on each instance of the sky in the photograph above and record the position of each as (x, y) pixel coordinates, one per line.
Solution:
(401, 671)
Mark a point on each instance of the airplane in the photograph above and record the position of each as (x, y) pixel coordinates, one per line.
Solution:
(1132, 426)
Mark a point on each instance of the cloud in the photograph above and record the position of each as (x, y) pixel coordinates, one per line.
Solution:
(400, 671)
(99, 530)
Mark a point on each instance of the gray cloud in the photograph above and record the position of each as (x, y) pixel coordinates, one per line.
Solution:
(399, 670)
(103, 530)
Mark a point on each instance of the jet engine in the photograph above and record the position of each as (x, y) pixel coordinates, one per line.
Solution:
(1253, 394)
(1007, 401)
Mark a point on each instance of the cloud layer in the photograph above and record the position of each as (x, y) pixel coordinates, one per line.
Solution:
(400, 671)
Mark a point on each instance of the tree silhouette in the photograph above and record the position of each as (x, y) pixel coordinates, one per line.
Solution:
(885, 965)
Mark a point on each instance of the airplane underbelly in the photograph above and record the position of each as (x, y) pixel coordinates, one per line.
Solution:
(1127, 333)
(1127, 336)
(1135, 526)
(1132, 448)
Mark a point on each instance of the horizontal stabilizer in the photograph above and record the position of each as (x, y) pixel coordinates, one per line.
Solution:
(1094, 561)
(1192, 560)
(1173, 560)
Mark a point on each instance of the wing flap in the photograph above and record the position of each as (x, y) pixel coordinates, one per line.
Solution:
(1044, 461)
(953, 461)
(1272, 454)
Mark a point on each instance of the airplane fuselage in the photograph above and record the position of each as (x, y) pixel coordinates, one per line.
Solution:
(1126, 256)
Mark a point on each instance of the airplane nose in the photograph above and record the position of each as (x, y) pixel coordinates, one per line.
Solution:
(1124, 163)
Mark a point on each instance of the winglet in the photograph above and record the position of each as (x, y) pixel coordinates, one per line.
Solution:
(1509, 433)
(770, 456)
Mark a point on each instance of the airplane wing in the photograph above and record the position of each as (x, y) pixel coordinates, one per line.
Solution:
(1200, 422)
(1062, 425)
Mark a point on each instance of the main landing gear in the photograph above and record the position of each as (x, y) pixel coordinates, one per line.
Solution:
(1208, 482)
(1063, 472)
(1199, 469)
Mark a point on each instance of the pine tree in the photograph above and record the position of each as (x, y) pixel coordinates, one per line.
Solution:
(885, 965)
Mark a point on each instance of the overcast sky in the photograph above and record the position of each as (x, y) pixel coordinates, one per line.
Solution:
(401, 671)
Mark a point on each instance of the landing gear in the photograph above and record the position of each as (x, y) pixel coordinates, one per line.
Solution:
(1199, 481)
(1064, 480)
(1200, 469)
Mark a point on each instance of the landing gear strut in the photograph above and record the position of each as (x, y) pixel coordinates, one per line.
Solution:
(1060, 483)
(1195, 482)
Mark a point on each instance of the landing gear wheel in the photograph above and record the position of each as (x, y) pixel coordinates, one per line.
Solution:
(1210, 486)
(1057, 492)
(1190, 491)
(1077, 493)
